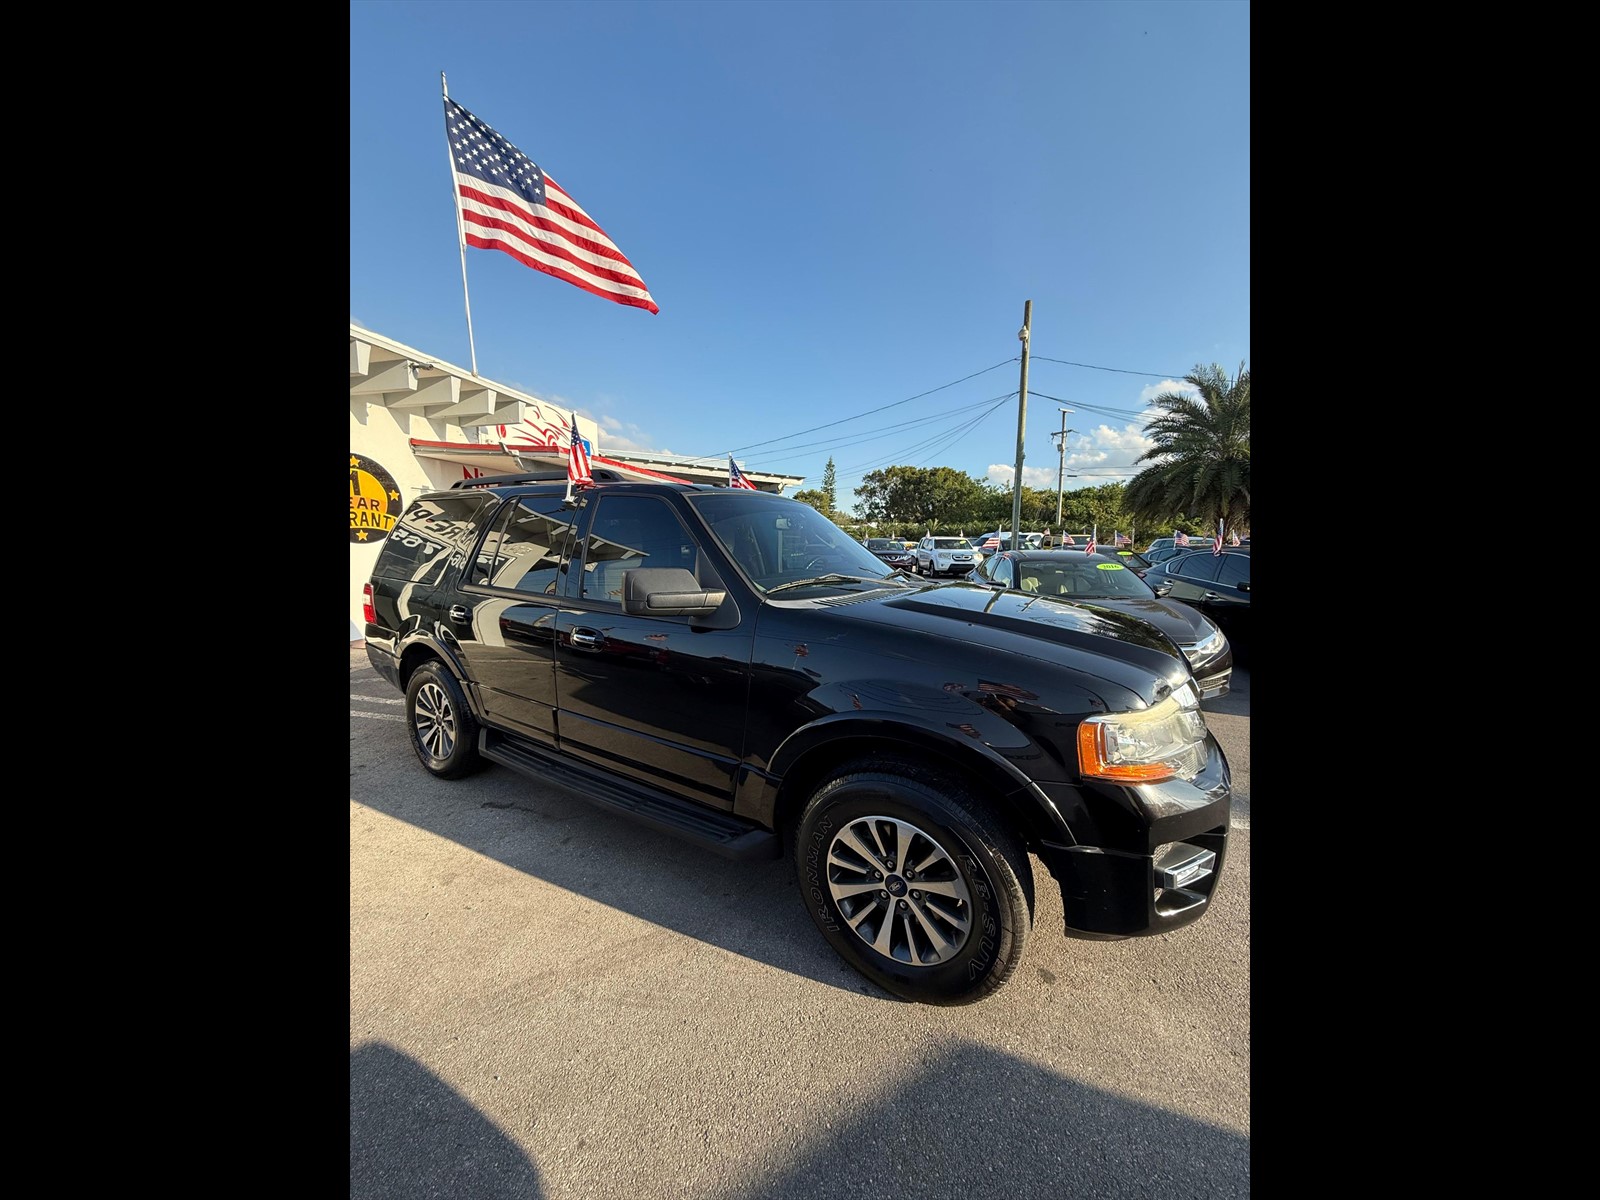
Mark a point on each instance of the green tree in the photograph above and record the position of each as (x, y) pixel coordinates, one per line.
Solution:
(830, 491)
(817, 499)
(924, 499)
(1202, 454)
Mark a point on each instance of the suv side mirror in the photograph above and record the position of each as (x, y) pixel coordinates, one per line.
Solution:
(668, 592)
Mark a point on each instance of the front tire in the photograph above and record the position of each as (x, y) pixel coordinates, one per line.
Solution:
(915, 881)
(444, 733)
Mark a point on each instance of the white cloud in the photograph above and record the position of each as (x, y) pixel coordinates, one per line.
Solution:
(1147, 395)
(618, 434)
(1038, 478)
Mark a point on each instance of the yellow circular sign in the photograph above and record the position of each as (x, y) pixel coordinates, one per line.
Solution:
(374, 500)
(1109, 567)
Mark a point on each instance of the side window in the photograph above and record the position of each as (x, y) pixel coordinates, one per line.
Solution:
(525, 549)
(433, 532)
(1002, 571)
(1200, 567)
(1235, 569)
(628, 532)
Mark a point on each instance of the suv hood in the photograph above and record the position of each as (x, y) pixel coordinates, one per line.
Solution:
(1018, 623)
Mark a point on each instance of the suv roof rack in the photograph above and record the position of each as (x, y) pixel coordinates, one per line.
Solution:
(553, 475)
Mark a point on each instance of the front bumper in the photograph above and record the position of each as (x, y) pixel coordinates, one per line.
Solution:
(1214, 684)
(1161, 876)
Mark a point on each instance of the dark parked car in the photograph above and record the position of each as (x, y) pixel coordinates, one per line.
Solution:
(730, 667)
(1164, 548)
(893, 551)
(1217, 584)
(1106, 582)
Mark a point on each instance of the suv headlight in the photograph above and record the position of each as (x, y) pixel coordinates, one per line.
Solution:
(1165, 741)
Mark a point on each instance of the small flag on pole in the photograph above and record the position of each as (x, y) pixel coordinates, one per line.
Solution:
(507, 203)
(1181, 540)
(1089, 549)
(1216, 542)
(736, 477)
(578, 460)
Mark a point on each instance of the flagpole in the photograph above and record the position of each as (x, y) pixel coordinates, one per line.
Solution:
(461, 236)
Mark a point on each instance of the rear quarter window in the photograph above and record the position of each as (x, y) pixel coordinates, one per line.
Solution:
(430, 534)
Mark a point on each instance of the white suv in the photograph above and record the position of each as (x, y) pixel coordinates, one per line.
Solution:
(946, 556)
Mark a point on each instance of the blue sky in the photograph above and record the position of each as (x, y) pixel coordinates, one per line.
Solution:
(840, 208)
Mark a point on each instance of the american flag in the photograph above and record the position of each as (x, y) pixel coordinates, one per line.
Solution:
(1068, 540)
(1121, 539)
(507, 203)
(1216, 542)
(1089, 549)
(736, 477)
(1181, 540)
(1233, 538)
(578, 459)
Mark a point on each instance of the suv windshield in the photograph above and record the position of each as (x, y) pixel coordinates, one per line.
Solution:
(776, 541)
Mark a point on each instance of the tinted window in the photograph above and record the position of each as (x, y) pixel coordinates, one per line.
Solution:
(430, 534)
(1235, 569)
(1196, 566)
(525, 548)
(629, 532)
(1002, 571)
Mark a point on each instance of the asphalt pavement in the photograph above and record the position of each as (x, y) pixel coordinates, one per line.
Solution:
(548, 1001)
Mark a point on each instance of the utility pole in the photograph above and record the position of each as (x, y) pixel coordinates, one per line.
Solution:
(1022, 420)
(1061, 471)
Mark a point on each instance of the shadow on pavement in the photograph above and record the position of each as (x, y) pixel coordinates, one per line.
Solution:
(970, 1122)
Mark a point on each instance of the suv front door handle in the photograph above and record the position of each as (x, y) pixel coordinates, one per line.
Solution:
(589, 639)
(458, 612)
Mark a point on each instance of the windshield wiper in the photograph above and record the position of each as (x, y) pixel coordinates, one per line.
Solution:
(800, 583)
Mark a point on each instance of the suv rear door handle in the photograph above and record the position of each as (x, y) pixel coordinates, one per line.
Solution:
(589, 639)
(458, 612)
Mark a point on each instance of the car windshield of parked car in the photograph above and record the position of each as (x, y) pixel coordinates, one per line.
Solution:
(882, 545)
(1088, 580)
(951, 543)
(778, 542)
(1130, 558)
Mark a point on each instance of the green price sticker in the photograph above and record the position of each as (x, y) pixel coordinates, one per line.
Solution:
(1109, 567)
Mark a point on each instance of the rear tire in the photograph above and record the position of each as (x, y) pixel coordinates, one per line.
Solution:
(444, 733)
(915, 881)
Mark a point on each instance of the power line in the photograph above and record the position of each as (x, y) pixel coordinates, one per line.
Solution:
(939, 442)
(869, 412)
(952, 383)
(1119, 370)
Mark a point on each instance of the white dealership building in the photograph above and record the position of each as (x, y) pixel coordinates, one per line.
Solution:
(418, 423)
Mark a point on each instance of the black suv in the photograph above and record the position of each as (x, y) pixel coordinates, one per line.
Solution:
(730, 667)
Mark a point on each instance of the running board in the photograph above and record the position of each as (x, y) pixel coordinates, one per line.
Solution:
(721, 833)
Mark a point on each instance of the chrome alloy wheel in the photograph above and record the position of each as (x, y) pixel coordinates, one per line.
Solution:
(435, 720)
(899, 890)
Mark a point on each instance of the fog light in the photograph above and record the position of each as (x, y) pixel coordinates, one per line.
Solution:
(1180, 865)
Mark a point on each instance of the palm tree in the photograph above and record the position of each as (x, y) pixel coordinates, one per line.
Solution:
(1201, 455)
